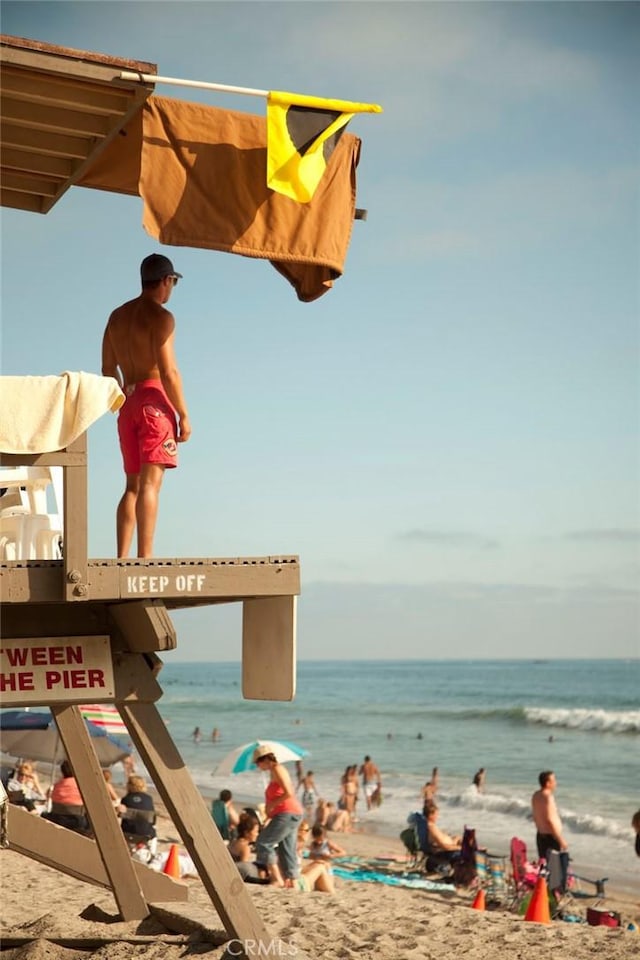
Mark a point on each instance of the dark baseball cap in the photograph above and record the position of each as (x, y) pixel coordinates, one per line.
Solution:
(155, 267)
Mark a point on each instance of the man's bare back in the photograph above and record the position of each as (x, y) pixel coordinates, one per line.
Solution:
(139, 345)
(134, 331)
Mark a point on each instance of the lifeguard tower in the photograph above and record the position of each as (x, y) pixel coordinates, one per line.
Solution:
(76, 628)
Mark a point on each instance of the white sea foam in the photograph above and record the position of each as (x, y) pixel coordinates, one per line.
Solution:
(605, 721)
(513, 806)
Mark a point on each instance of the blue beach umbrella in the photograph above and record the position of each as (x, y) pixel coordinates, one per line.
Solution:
(240, 760)
(33, 734)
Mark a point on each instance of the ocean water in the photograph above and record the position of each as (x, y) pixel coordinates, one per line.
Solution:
(515, 718)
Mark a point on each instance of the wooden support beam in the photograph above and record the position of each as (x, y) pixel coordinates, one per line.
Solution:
(182, 582)
(135, 677)
(13, 159)
(43, 186)
(106, 827)
(269, 648)
(61, 92)
(78, 856)
(193, 821)
(57, 619)
(73, 123)
(20, 201)
(145, 625)
(73, 456)
(75, 525)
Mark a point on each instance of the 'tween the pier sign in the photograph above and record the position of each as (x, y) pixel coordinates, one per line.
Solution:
(43, 670)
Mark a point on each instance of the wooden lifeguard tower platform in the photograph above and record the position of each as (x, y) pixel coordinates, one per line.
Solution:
(79, 628)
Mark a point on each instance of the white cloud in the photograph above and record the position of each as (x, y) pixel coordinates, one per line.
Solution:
(448, 538)
(448, 68)
(604, 536)
(479, 217)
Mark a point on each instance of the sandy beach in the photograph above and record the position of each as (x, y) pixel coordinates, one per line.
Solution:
(65, 919)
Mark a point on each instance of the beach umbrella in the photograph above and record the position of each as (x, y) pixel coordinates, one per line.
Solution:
(107, 717)
(240, 760)
(34, 735)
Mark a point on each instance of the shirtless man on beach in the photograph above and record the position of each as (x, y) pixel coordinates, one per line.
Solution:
(138, 351)
(371, 780)
(441, 841)
(546, 816)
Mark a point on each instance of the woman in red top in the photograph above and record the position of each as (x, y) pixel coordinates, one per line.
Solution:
(284, 814)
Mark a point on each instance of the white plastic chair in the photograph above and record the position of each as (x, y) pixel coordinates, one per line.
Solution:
(27, 530)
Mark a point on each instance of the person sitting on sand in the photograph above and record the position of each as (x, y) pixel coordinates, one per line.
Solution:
(138, 813)
(338, 821)
(24, 787)
(242, 848)
(108, 780)
(444, 845)
(67, 805)
(321, 848)
(313, 874)
(322, 811)
(225, 815)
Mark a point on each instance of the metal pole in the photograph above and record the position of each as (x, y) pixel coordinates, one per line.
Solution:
(200, 84)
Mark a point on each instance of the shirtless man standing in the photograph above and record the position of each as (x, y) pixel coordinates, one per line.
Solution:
(138, 350)
(546, 816)
(371, 780)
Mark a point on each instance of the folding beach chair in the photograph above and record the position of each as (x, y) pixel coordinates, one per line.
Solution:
(565, 887)
(524, 875)
(416, 839)
(496, 885)
(409, 837)
(139, 828)
(71, 816)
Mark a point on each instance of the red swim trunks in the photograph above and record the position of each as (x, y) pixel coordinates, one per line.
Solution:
(147, 427)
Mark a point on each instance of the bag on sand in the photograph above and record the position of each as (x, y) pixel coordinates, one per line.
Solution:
(408, 837)
(597, 917)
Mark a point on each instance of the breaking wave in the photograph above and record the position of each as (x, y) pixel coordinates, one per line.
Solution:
(497, 803)
(603, 721)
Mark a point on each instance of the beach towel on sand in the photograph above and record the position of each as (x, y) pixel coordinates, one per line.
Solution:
(392, 880)
(42, 414)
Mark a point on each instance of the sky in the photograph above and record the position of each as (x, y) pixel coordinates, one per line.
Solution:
(449, 438)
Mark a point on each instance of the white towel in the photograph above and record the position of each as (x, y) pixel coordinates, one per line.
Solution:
(42, 414)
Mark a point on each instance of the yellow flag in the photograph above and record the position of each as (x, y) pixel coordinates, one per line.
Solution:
(302, 133)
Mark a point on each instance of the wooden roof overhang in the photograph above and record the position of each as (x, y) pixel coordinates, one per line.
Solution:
(59, 108)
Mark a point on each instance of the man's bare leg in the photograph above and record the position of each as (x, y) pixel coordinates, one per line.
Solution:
(151, 475)
(126, 515)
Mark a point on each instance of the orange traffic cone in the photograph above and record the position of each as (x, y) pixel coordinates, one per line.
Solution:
(172, 866)
(479, 902)
(538, 909)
